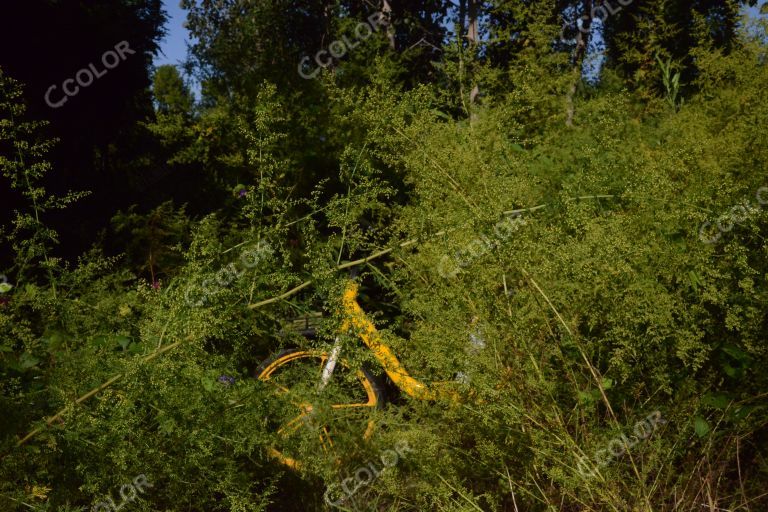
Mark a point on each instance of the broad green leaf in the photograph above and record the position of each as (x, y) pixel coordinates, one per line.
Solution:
(442, 115)
(167, 425)
(741, 412)
(585, 397)
(731, 371)
(736, 353)
(55, 339)
(208, 383)
(124, 341)
(99, 340)
(716, 400)
(27, 361)
(701, 426)
(694, 280)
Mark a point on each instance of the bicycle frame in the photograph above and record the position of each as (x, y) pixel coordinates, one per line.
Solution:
(356, 322)
(333, 357)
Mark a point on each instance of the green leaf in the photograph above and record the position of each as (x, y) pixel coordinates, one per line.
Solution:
(701, 426)
(167, 425)
(695, 281)
(238, 188)
(124, 341)
(442, 115)
(208, 383)
(607, 383)
(5, 287)
(100, 340)
(27, 361)
(764, 8)
(731, 371)
(741, 412)
(55, 339)
(716, 400)
(736, 353)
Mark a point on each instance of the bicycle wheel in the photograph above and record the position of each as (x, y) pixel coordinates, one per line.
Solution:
(308, 418)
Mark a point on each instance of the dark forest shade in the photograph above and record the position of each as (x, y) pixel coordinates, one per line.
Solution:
(43, 44)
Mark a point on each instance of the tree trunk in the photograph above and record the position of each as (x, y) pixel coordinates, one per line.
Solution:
(473, 25)
(473, 36)
(386, 10)
(582, 40)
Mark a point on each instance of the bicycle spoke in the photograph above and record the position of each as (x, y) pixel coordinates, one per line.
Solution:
(328, 437)
(340, 406)
(272, 383)
(295, 423)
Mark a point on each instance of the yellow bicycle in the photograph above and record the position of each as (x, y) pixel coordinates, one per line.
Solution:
(312, 398)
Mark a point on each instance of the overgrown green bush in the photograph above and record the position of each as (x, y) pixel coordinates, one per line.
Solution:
(582, 257)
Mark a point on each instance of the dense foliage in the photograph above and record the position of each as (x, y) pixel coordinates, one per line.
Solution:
(582, 255)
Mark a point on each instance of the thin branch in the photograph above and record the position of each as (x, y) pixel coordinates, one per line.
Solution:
(282, 296)
(96, 390)
(383, 252)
